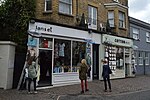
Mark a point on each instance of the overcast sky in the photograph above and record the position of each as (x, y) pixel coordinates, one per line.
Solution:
(140, 9)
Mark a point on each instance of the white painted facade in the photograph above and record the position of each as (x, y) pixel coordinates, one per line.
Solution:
(7, 56)
(59, 32)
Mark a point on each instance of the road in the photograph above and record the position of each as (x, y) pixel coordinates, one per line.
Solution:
(141, 95)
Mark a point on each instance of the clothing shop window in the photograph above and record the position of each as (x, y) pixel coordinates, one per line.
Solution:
(119, 58)
(140, 58)
(65, 6)
(78, 53)
(121, 20)
(136, 33)
(147, 36)
(146, 58)
(45, 43)
(62, 56)
(111, 55)
(92, 16)
(111, 18)
(48, 5)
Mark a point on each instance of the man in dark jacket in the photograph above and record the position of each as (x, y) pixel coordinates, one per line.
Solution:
(105, 74)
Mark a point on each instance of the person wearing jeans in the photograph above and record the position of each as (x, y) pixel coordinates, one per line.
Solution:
(32, 76)
(105, 74)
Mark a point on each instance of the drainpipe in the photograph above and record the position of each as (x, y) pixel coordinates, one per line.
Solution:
(144, 66)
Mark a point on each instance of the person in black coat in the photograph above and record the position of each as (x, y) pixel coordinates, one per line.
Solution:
(105, 74)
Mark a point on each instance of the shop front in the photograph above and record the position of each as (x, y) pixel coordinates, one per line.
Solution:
(118, 51)
(59, 50)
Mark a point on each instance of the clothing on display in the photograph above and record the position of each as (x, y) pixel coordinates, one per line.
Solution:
(61, 49)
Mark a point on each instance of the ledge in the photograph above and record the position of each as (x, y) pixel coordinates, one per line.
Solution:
(7, 43)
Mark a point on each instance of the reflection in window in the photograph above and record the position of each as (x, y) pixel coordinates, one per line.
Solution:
(78, 53)
(119, 58)
(65, 6)
(62, 56)
(111, 18)
(121, 20)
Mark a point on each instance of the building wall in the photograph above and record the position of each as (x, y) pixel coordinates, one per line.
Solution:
(141, 43)
(80, 7)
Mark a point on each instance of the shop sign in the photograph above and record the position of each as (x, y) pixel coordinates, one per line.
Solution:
(44, 29)
(113, 40)
(40, 28)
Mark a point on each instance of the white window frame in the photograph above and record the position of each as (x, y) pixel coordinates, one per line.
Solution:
(111, 18)
(140, 58)
(50, 9)
(92, 17)
(135, 33)
(65, 6)
(147, 36)
(146, 58)
(121, 19)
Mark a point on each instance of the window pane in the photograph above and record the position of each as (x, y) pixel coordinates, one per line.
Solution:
(110, 15)
(78, 53)
(92, 15)
(45, 43)
(62, 56)
(65, 6)
(48, 5)
(121, 20)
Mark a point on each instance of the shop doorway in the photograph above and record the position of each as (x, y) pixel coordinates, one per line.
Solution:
(45, 62)
(95, 61)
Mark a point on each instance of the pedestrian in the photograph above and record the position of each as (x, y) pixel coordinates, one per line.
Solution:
(83, 75)
(32, 76)
(106, 74)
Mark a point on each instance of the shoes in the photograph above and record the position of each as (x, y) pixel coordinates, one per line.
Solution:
(105, 90)
(110, 91)
(35, 92)
(29, 92)
(87, 90)
(82, 92)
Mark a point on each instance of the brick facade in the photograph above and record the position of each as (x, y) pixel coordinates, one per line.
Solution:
(81, 6)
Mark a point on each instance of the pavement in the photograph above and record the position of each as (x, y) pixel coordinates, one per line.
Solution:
(96, 87)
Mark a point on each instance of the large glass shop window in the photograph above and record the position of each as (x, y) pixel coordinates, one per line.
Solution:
(78, 53)
(62, 56)
(115, 57)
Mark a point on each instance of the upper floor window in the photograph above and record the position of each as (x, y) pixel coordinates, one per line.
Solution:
(135, 33)
(48, 5)
(147, 36)
(65, 6)
(121, 20)
(111, 18)
(92, 16)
